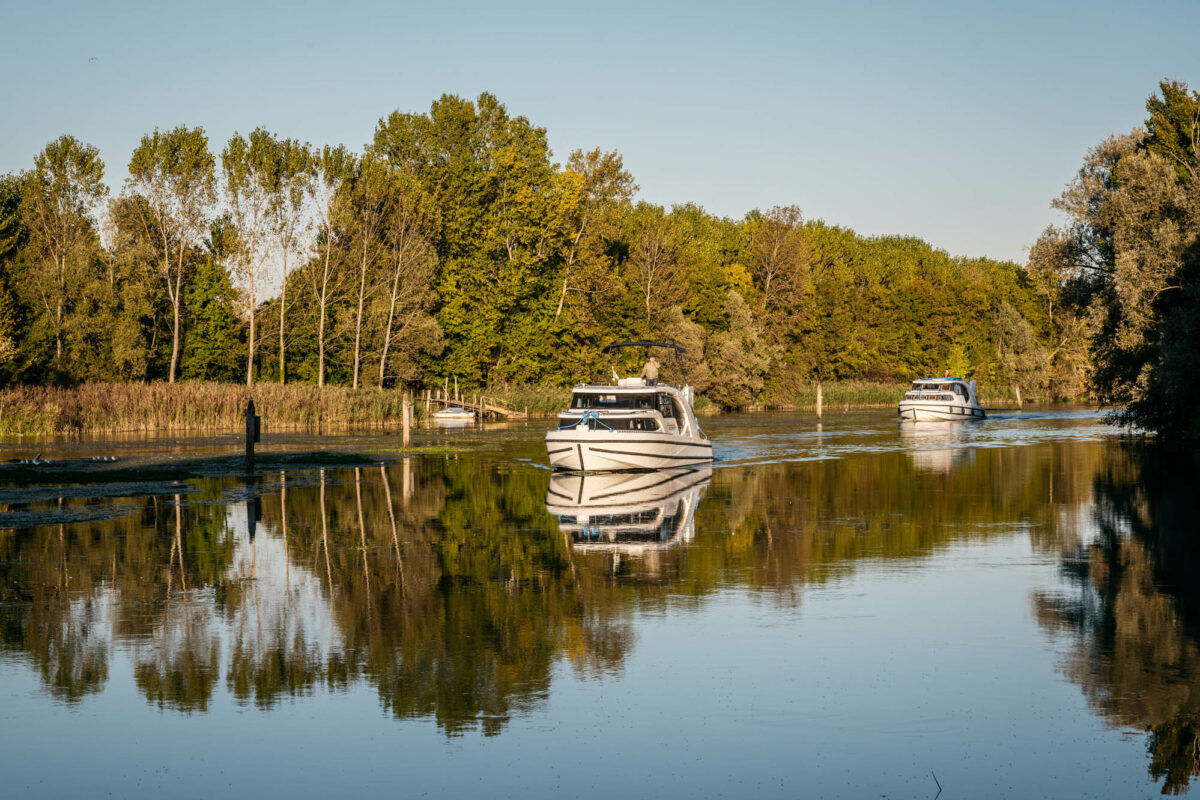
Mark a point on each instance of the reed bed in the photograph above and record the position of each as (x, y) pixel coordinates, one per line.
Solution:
(191, 406)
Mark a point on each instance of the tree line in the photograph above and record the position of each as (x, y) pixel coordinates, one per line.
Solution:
(452, 244)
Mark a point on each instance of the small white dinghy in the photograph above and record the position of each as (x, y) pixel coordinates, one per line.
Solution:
(941, 399)
(454, 415)
(634, 424)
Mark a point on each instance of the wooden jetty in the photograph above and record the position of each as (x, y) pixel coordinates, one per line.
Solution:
(481, 404)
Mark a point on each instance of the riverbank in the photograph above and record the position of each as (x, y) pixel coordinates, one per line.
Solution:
(874, 394)
(189, 406)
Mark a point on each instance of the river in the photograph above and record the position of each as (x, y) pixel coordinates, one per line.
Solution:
(859, 608)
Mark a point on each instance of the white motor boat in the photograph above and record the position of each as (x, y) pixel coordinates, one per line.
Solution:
(941, 399)
(627, 512)
(630, 425)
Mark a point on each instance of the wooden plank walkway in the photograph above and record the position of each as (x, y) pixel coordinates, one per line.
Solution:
(481, 405)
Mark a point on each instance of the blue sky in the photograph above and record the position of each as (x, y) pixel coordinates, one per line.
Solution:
(954, 121)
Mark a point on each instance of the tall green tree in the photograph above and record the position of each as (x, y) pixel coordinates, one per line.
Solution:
(64, 187)
(411, 270)
(1130, 255)
(491, 176)
(367, 204)
(594, 186)
(213, 338)
(653, 267)
(131, 303)
(332, 168)
(173, 173)
(13, 238)
(778, 258)
(739, 357)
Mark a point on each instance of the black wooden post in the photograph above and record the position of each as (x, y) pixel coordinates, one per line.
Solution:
(253, 507)
(251, 433)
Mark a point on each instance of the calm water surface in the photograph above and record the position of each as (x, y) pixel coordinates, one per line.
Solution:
(836, 611)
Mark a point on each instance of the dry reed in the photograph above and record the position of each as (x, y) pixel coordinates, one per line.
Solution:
(190, 406)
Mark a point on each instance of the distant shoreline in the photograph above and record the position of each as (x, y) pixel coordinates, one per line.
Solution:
(189, 407)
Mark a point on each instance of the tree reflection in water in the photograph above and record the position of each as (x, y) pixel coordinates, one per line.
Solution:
(1135, 607)
(447, 585)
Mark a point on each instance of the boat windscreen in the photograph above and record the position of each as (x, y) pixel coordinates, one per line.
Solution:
(583, 400)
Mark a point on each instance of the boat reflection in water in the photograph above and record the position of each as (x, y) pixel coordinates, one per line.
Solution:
(627, 512)
(938, 446)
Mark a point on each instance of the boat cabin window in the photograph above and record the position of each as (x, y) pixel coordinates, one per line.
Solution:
(960, 390)
(664, 406)
(583, 400)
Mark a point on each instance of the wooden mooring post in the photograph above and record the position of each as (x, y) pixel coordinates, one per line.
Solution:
(819, 399)
(406, 414)
(253, 432)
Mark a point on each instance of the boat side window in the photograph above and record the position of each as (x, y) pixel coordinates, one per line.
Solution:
(960, 390)
(664, 406)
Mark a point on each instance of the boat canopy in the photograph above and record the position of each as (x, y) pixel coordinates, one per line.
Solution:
(608, 348)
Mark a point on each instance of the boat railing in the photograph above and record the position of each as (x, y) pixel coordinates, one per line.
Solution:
(590, 417)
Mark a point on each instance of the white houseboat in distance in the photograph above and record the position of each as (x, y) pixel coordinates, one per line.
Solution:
(941, 399)
(632, 424)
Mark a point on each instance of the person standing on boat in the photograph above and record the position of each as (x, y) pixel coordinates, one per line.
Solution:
(650, 372)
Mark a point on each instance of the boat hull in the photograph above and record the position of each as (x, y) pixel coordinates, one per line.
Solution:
(942, 412)
(608, 451)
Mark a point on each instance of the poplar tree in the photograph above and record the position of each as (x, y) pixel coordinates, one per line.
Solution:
(251, 169)
(65, 185)
(331, 169)
(173, 174)
(412, 262)
(294, 173)
(365, 213)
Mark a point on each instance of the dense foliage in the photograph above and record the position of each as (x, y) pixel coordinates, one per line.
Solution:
(1126, 267)
(454, 245)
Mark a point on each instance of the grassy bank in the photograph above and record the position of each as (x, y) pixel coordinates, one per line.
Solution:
(99, 408)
